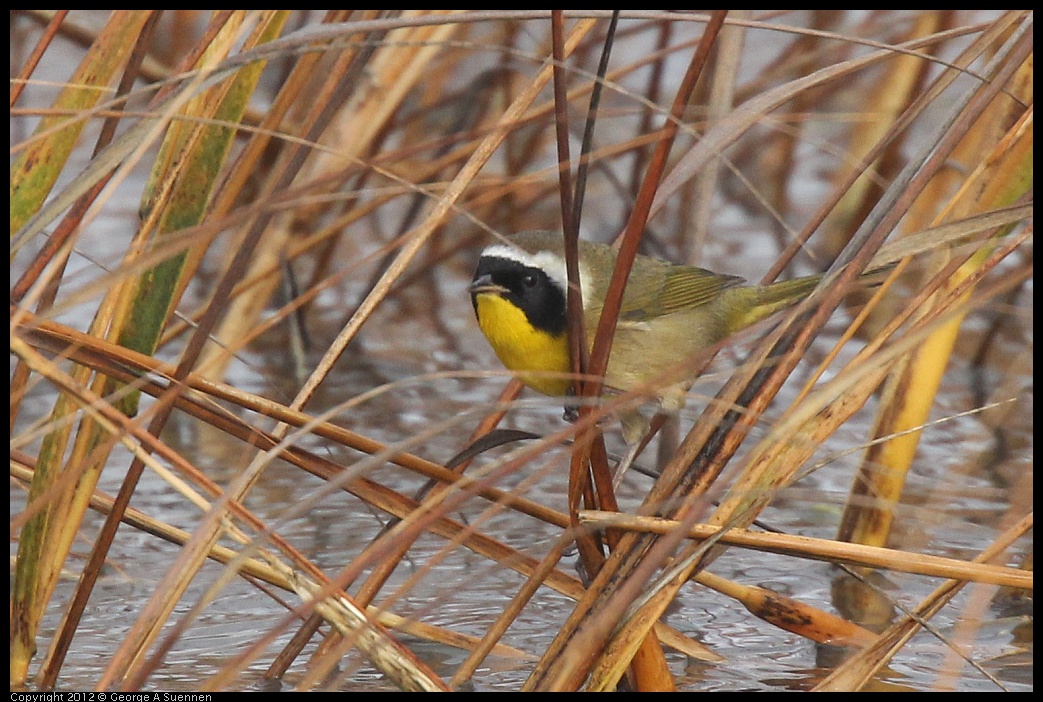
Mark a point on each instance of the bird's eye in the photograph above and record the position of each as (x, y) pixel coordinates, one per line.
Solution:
(529, 280)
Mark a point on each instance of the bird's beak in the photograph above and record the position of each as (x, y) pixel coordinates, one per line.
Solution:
(485, 284)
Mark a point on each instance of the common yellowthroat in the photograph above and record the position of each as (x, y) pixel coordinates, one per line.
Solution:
(669, 312)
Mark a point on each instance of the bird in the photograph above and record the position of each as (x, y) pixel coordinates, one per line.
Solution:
(669, 313)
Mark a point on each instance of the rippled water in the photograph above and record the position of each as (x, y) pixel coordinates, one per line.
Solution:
(950, 509)
(956, 501)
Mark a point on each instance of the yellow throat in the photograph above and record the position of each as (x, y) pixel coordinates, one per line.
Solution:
(521, 346)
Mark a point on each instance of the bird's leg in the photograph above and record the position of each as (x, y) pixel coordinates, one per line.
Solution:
(638, 431)
(571, 413)
(636, 436)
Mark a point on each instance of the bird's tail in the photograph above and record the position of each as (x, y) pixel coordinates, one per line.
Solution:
(765, 300)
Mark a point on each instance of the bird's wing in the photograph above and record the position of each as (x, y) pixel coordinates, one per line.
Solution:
(681, 288)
